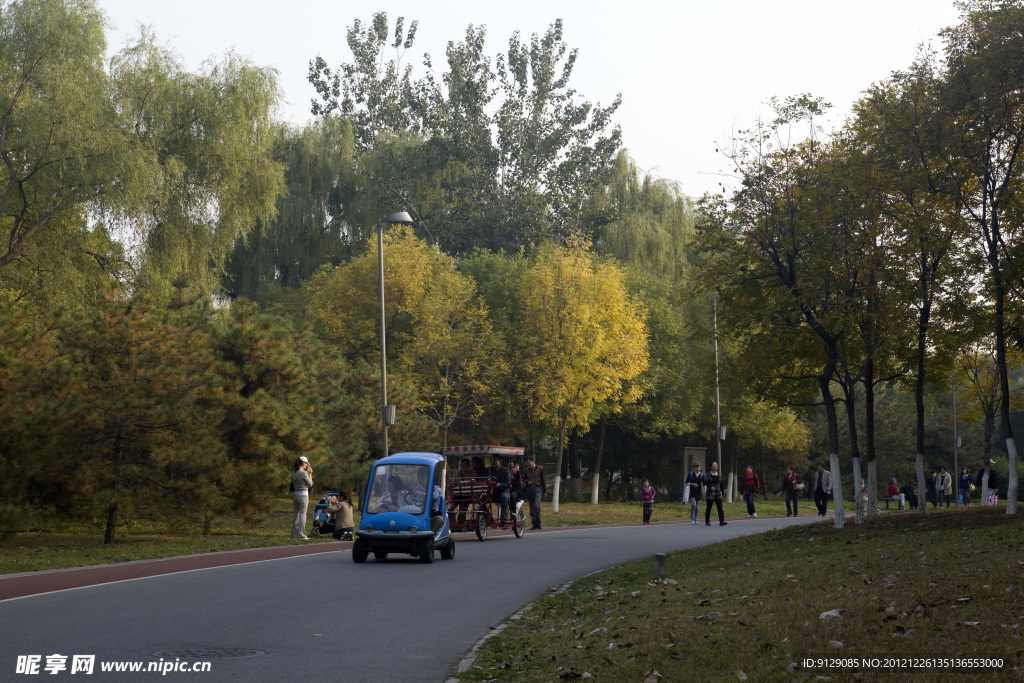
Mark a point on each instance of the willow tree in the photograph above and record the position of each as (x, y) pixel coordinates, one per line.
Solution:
(586, 340)
(175, 163)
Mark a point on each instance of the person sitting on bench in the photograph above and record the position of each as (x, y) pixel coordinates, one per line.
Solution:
(894, 494)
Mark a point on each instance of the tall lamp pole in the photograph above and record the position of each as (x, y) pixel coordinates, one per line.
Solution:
(387, 413)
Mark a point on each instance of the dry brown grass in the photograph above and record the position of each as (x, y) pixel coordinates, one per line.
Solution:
(946, 586)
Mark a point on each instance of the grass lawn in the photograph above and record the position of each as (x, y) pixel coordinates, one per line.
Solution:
(950, 585)
(80, 545)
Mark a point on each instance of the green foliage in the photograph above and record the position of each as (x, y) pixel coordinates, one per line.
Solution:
(309, 229)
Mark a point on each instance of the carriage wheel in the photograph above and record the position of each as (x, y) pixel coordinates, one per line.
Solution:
(316, 532)
(481, 526)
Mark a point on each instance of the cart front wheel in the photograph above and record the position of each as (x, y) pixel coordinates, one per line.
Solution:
(481, 526)
(427, 551)
(359, 551)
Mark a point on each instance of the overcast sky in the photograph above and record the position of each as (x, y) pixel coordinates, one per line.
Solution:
(689, 71)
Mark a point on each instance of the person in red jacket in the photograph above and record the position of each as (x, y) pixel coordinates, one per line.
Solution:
(751, 485)
(894, 494)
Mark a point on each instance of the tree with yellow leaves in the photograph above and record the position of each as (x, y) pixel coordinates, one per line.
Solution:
(586, 339)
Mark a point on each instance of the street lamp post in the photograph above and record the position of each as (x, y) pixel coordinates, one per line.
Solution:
(387, 413)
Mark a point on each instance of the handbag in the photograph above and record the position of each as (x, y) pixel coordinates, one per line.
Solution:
(686, 494)
(799, 487)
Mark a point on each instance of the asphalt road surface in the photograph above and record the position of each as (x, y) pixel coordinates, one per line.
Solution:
(322, 617)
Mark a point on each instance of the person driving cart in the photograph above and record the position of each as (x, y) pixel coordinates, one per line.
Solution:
(393, 497)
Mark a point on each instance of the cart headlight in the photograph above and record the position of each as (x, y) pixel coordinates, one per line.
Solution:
(413, 529)
(369, 529)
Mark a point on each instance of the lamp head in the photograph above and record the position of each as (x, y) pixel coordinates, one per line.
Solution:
(401, 217)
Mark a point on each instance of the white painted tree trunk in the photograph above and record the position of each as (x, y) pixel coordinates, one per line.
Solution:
(872, 488)
(984, 485)
(858, 495)
(554, 492)
(837, 490)
(595, 489)
(1011, 480)
(922, 490)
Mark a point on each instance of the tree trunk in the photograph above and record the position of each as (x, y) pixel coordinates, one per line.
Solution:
(824, 385)
(922, 338)
(108, 534)
(1004, 387)
(850, 390)
(557, 483)
(869, 436)
(921, 489)
(595, 488)
(575, 483)
(872, 488)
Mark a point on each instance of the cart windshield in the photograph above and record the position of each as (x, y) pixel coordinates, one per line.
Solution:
(398, 488)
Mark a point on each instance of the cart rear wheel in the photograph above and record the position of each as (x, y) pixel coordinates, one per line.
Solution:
(481, 526)
(359, 551)
(448, 551)
(427, 551)
(519, 524)
(380, 554)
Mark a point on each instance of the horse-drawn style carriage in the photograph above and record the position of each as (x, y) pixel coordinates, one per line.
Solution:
(473, 498)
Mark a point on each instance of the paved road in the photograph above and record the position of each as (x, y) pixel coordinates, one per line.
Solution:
(321, 617)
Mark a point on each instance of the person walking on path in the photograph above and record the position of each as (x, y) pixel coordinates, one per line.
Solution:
(302, 482)
(647, 498)
(822, 489)
(792, 485)
(536, 486)
(751, 486)
(695, 482)
(713, 494)
(944, 487)
(966, 485)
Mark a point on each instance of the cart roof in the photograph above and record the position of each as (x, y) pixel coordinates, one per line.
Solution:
(484, 450)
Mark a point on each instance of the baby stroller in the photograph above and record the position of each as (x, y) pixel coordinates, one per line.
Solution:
(323, 519)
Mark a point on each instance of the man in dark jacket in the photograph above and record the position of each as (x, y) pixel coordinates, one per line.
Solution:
(503, 478)
(822, 489)
(536, 486)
